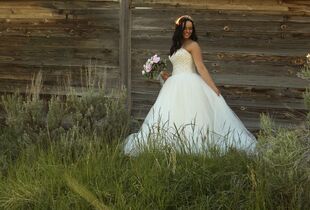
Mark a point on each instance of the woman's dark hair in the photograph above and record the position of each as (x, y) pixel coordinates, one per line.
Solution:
(178, 34)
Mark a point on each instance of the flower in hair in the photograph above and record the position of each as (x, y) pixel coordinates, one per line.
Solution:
(177, 22)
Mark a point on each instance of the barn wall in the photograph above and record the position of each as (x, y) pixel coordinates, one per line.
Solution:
(252, 48)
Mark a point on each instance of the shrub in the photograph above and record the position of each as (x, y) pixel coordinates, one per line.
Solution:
(34, 120)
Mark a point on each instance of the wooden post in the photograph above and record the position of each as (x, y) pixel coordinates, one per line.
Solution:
(125, 48)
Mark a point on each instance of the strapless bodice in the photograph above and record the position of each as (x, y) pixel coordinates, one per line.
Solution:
(182, 62)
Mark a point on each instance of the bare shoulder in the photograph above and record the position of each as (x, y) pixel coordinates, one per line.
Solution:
(193, 46)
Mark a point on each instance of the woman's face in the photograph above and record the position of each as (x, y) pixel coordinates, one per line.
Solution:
(188, 29)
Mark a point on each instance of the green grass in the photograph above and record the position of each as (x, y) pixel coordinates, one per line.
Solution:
(86, 173)
(67, 154)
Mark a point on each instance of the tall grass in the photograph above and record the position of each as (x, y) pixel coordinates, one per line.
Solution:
(67, 154)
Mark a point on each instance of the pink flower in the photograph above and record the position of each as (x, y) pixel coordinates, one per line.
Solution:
(155, 58)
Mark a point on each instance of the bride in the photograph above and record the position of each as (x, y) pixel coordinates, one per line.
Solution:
(189, 115)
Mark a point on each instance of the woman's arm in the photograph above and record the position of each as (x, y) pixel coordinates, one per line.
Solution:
(194, 49)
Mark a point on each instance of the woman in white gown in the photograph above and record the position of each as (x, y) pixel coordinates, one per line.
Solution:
(189, 114)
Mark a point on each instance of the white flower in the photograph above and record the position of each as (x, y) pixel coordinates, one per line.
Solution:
(148, 67)
(143, 72)
(308, 57)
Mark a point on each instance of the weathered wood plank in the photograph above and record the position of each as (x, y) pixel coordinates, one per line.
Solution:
(268, 6)
(55, 73)
(230, 80)
(54, 31)
(240, 68)
(60, 83)
(240, 43)
(202, 2)
(202, 15)
(82, 23)
(250, 56)
(220, 33)
(59, 10)
(61, 4)
(218, 5)
(229, 26)
(254, 81)
(49, 61)
(232, 62)
(60, 42)
(62, 57)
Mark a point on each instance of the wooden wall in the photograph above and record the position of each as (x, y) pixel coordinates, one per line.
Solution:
(253, 55)
(58, 38)
(252, 48)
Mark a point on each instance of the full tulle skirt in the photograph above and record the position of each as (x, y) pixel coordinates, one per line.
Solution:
(190, 117)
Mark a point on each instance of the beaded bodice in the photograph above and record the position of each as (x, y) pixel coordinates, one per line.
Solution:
(182, 62)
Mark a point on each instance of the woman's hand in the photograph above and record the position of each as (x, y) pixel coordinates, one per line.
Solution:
(164, 75)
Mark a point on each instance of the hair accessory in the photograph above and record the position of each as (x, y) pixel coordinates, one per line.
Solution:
(177, 22)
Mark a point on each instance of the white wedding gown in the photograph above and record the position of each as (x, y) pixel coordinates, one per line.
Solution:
(188, 116)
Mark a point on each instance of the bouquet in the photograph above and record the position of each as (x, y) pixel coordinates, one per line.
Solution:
(155, 69)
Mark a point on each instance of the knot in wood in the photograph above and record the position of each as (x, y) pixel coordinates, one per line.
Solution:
(283, 27)
(220, 55)
(226, 28)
